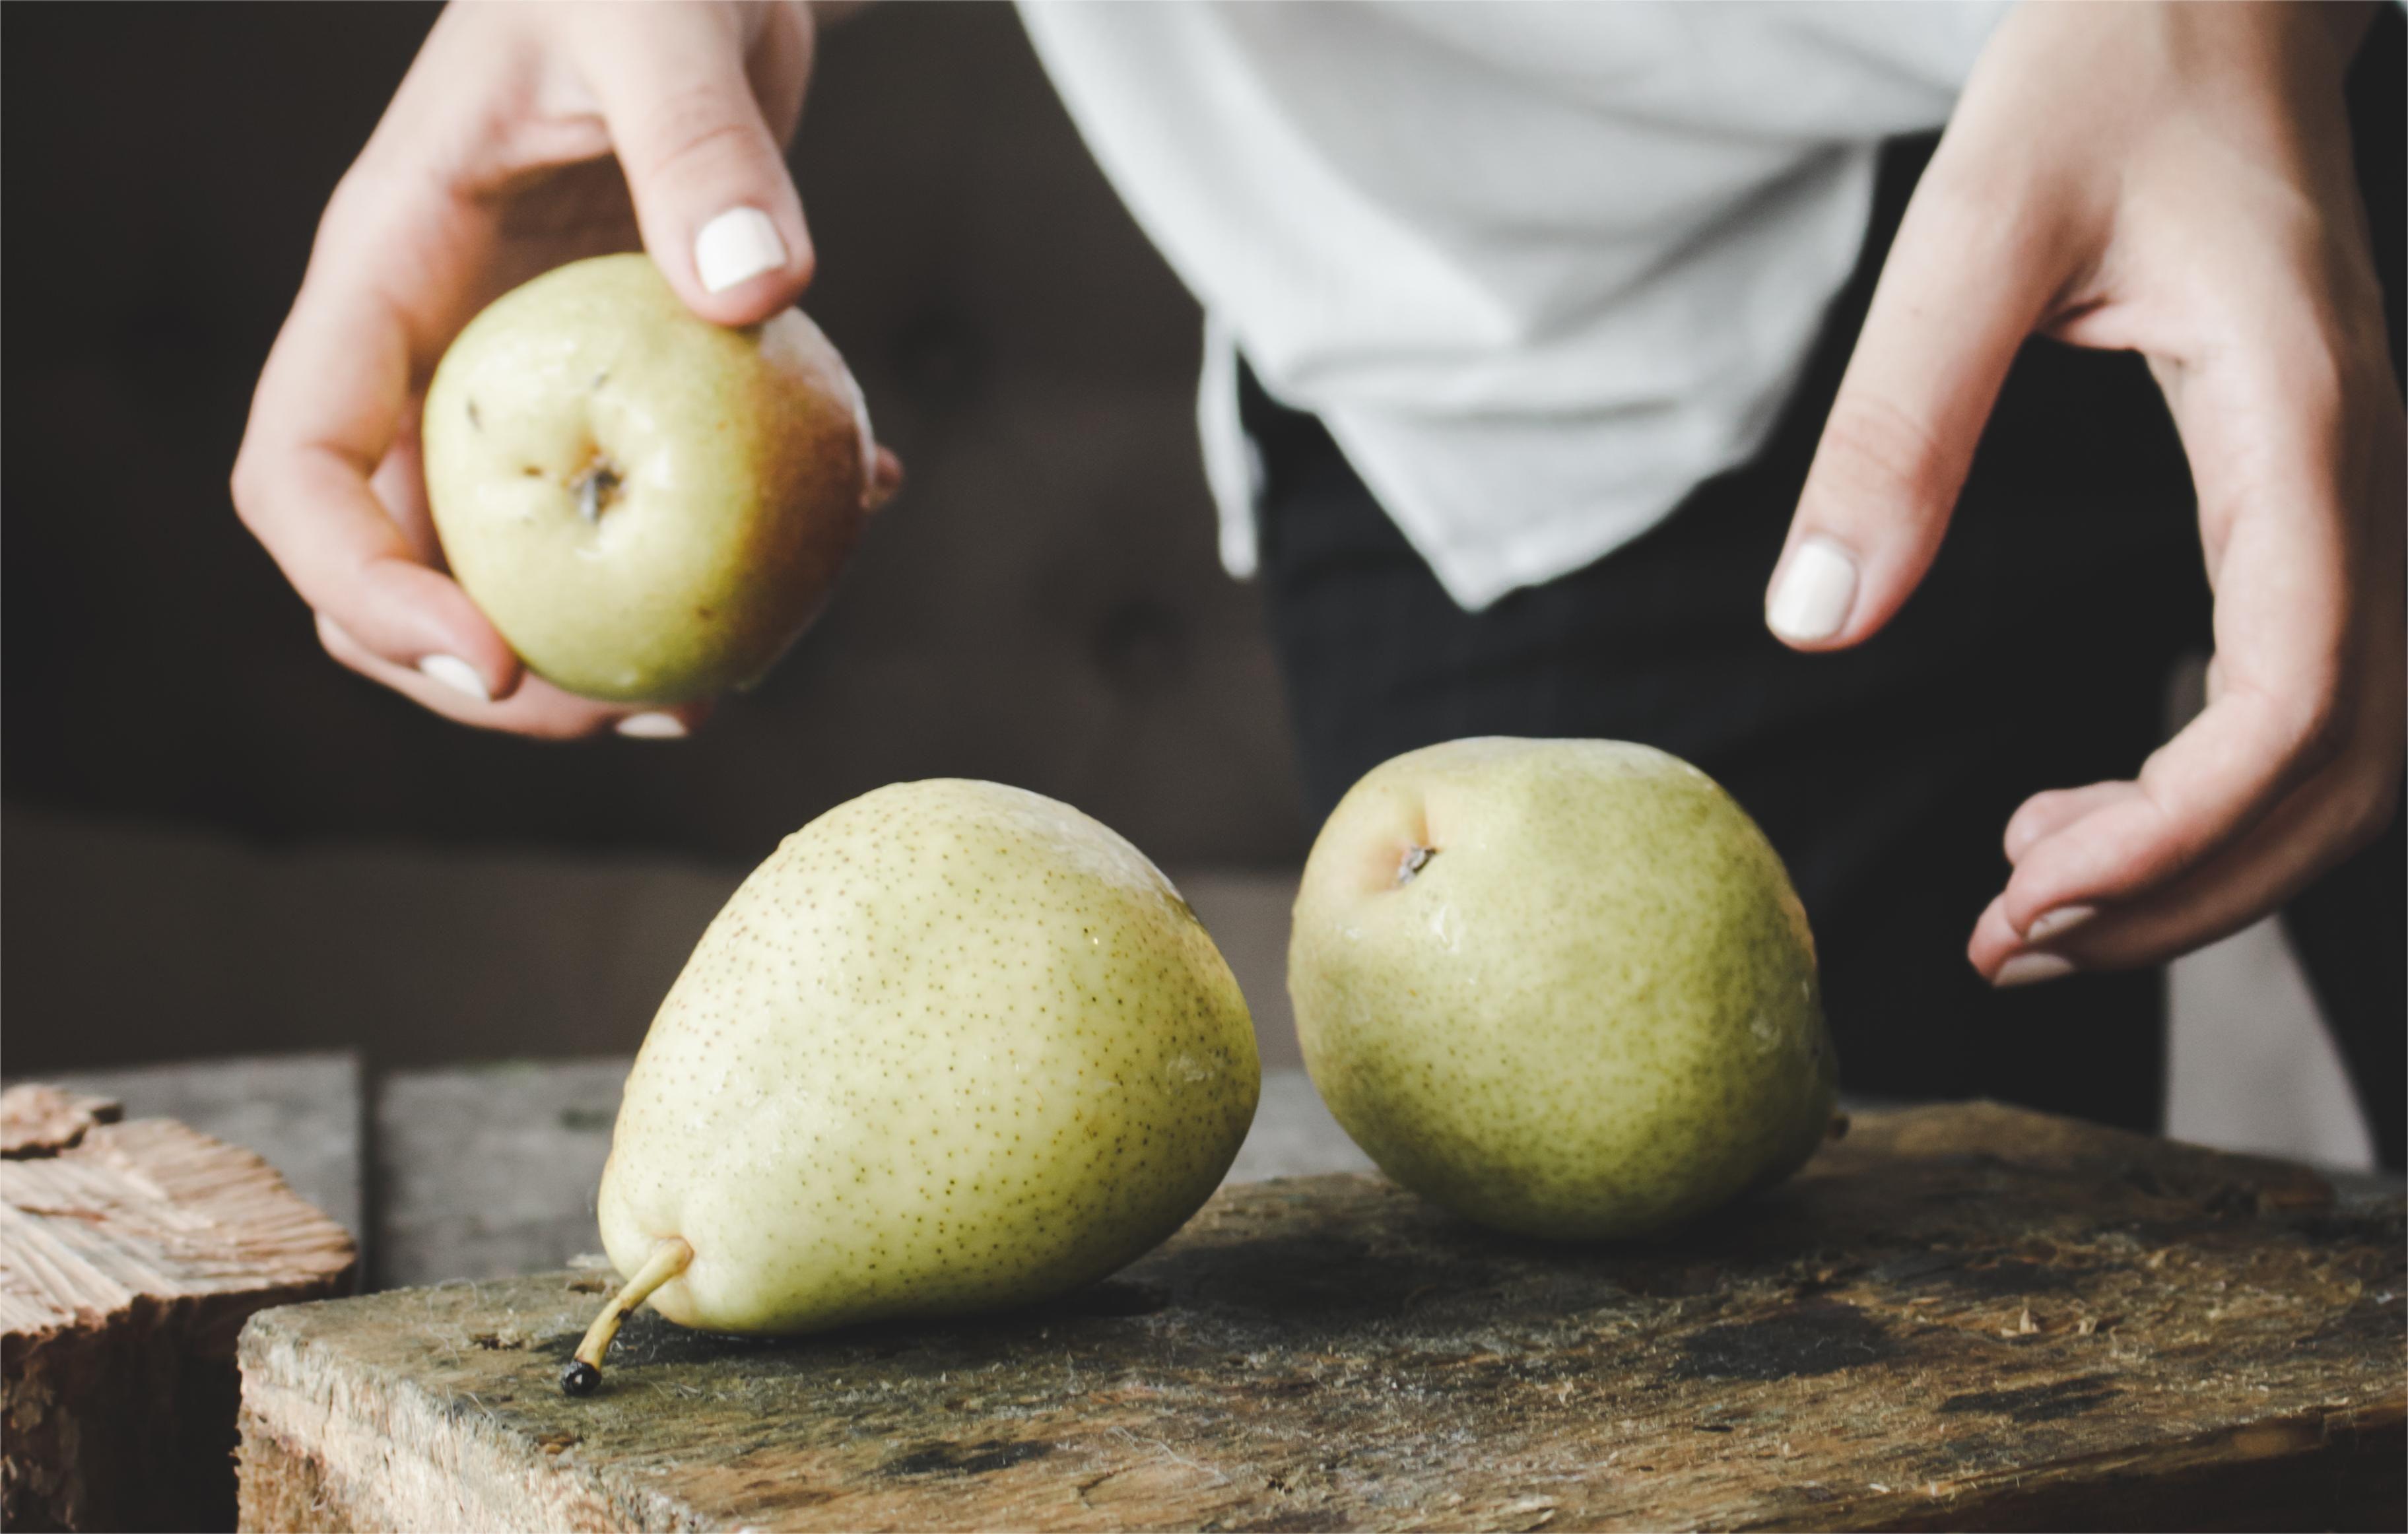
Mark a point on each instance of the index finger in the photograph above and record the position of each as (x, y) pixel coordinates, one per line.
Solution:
(326, 409)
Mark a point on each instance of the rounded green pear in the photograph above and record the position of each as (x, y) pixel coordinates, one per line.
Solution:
(955, 1046)
(1563, 987)
(649, 507)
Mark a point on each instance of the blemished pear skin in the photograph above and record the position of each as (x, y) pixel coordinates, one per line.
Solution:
(1562, 987)
(649, 508)
(954, 1047)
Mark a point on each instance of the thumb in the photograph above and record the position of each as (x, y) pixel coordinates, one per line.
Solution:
(1964, 283)
(714, 199)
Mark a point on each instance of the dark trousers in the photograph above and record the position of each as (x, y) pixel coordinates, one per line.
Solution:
(2036, 654)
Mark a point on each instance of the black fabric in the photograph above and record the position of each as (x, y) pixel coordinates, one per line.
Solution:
(2347, 929)
(2035, 655)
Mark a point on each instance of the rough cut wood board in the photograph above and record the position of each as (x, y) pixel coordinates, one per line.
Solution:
(130, 1255)
(1967, 1316)
(301, 1112)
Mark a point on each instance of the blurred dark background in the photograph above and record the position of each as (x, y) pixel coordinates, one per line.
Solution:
(218, 840)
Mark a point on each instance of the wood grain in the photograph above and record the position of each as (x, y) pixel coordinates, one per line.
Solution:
(303, 1113)
(41, 1120)
(130, 1255)
(1963, 1316)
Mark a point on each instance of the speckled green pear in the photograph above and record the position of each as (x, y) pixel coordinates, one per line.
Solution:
(1563, 987)
(649, 507)
(955, 1046)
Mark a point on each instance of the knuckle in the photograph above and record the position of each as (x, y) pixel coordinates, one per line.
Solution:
(1987, 209)
(2308, 717)
(1953, 194)
(2314, 366)
(695, 125)
(354, 190)
(1874, 449)
(2369, 800)
(367, 192)
(249, 486)
(342, 646)
(2316, 726)
(242, 485)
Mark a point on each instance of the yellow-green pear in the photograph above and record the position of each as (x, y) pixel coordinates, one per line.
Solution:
(955, 1046)
(1563, 987)
(649, 507)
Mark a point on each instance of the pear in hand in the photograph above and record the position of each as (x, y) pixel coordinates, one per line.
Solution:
(1563, 987)
(649, 507)
(954, 1047)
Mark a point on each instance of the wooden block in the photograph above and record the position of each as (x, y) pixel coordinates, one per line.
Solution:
(39, 1120)
(130, 1255)
(301, 1112)
(1964, 1316)
(490, 1171)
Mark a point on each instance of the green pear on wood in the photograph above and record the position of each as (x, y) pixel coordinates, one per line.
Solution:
(648, 506)
(1563, 987)
(954, 1047)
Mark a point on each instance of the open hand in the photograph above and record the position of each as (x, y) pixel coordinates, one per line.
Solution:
(2171, 179)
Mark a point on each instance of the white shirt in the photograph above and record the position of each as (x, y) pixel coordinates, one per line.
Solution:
(1541, 267)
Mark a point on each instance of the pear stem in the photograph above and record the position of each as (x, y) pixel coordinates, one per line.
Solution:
(584, 1371)
(596, 487)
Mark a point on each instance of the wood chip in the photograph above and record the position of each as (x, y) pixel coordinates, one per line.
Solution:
(129, 1257)
(38, 1121)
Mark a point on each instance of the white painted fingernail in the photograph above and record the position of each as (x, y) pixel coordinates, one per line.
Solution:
(736, 247)
(2058, 922)
(653, 727)
(1815, 595)
(456, 674)
(2031, 968)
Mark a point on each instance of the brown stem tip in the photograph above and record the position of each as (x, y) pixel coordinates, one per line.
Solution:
(583, 1373)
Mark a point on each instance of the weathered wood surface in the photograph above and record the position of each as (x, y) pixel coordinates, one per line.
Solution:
(302, 1114)
(490, 1171)
(40, 1119)
(131, 1252)
(1964, 1316)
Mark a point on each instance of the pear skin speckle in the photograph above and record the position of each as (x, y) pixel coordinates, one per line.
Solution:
(1563, 987)
(953, 1046)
